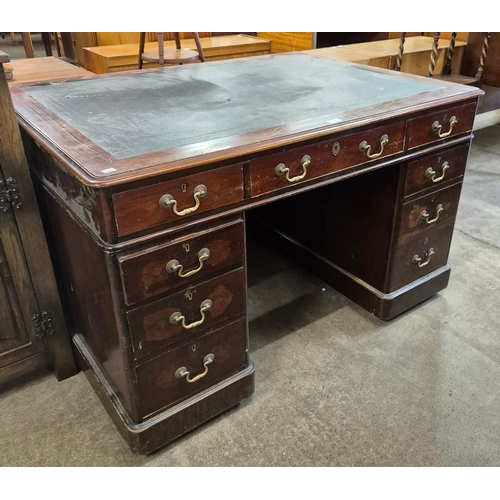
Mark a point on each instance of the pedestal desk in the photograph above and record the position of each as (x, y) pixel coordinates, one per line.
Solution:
(152, 178)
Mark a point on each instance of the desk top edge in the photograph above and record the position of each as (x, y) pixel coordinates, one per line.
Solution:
(89, 158)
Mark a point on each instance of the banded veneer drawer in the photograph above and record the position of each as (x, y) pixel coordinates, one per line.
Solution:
(439, 125)
(421, 255)
(433, 170)
(154, 271)
(197, 308)
(164, 202)
(192, 367)
(291, 167)
(432, 210)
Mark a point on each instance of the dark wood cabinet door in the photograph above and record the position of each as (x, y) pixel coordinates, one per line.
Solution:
(18, 305)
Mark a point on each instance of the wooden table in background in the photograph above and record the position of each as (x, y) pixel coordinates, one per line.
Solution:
(43, 69)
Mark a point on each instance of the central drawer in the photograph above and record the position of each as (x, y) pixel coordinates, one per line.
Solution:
(181, 315)
(295, 166)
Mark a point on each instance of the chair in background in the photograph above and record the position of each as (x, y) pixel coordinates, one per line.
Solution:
(170, 56)
(446, 73)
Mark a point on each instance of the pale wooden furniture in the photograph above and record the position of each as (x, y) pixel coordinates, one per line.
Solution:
(123, 57)
(384, 54)
(152, 179)
(41, 69)
(33, 331)
(286, 41)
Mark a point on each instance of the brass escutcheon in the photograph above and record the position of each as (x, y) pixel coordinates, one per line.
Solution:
(167, 201)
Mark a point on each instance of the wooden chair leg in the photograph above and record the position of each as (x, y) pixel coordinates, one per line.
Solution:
(28, 45)
(434, 53)
(199, 47)
(142, 41)
(482, 59)
(177, 41)
(449, 55)
(401, 49)
(161, 50)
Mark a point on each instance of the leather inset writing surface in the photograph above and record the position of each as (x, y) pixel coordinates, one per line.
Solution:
(147, 112)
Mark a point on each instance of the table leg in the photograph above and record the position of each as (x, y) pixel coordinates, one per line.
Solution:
(47, 42)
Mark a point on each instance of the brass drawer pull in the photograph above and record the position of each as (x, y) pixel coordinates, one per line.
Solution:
(425, 215)
(283, 169)
(364, 147)
(420, 262)
(436, 127)
(430, 173)
(183, 372)
(177, 317)
(167, 201)
(173, 265)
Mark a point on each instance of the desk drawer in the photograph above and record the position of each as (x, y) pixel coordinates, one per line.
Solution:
(421, 255)
(269, 173)
(156, 270)
(433, 170)
(440, 125)
(164, 202)
(433, 210)
(217, 355)
(158, 324)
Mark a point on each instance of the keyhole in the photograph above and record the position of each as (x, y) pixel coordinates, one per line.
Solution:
(186, 247)
(335, 149)
(193, 347)
(190, 295)
(183, 188)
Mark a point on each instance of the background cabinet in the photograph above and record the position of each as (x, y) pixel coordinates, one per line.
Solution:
(32, 327)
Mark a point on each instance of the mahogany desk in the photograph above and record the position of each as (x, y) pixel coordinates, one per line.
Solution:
(148, 178)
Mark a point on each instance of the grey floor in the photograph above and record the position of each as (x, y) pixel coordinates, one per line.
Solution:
(334, 385)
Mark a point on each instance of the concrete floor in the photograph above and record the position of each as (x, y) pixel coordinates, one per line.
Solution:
(334, 385)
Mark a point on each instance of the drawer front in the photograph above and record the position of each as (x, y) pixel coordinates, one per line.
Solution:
(178, 199)
(439, 125)
(433, 170)
(158, 324)
(433, 210)
(159, 386)
(421, 255)
(270, 173)
(181, 262)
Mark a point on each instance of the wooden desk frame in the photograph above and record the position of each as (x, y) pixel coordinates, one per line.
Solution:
(114, 240)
